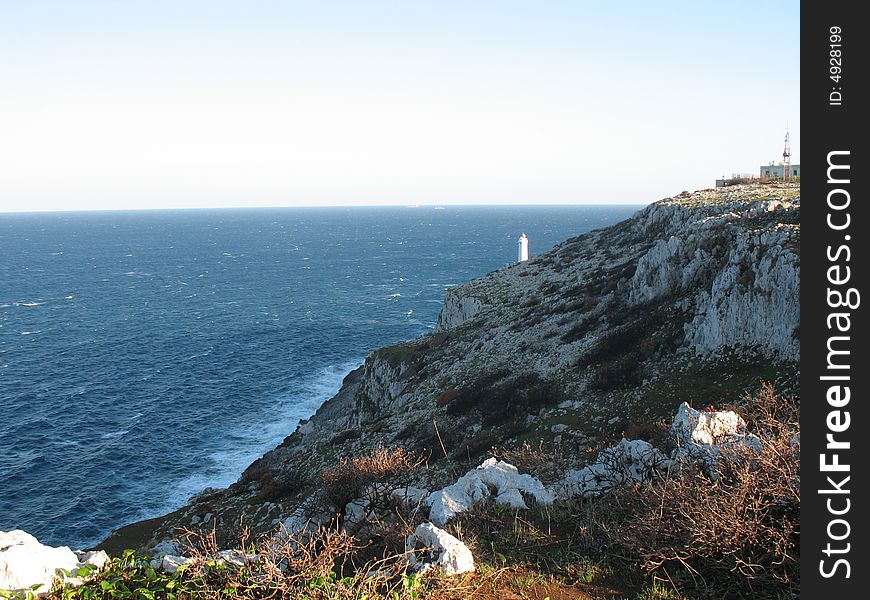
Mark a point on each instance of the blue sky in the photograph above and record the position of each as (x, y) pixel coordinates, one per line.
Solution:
(260, 103)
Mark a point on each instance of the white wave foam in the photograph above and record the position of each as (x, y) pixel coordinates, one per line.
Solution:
(262, 433)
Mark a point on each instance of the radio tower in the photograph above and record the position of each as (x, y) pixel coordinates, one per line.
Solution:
(786, 158)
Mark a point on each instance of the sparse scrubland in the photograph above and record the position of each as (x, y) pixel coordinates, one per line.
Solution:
(734, 535)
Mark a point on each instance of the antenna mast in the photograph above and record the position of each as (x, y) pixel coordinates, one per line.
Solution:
(786, 158)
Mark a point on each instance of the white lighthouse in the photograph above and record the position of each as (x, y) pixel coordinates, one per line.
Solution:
(524, 249)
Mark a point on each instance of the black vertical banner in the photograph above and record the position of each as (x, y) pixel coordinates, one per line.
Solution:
(835, 226)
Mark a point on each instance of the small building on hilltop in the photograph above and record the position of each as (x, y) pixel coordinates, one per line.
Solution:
(773, 171)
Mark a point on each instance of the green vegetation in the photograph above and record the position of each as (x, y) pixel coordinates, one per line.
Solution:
(500, 397)
(128, 576)
(307, 573)
(398, 354)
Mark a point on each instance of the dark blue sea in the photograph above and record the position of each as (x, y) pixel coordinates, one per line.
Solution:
(146, 355)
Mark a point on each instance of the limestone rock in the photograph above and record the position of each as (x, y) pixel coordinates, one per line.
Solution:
(170, 563)
(458, 309)
(25, 563)
(475, 485)
(95, 558)
(701, 437)
(629, 461)
(355, 511)
(696, 427)
(754, 300)
(745, 279)
(409, 495)
(443, 551)
(163, 548)
(305, 520)
(234, 557)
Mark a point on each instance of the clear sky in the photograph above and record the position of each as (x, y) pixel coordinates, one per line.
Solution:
(125, 104)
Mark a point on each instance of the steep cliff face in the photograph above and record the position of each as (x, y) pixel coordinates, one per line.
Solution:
(695, 299)
(458, 308)
(742, 267)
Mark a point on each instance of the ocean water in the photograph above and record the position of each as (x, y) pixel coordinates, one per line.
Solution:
(147, 355)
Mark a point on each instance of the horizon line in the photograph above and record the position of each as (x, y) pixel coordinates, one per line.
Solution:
(308, 206)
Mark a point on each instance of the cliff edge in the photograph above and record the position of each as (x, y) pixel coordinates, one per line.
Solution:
(694, 299)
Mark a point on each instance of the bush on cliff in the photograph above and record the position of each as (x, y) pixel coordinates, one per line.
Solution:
(499, 397)
(382, 467)
(735, 537)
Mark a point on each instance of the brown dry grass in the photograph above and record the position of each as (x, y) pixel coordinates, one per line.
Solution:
(382, 466)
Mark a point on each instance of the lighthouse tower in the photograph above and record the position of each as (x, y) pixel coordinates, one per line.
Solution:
(524, 249)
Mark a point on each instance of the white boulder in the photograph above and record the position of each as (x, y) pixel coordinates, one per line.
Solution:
(360, 510)
(701, 437)
(237, 558)
(163, 548)
(25, 563)
(355, 511)
(409, 495)
(628, 461)
(302, 522)
(475, 486)
(691, 426)
(94, 558)
(170, 562)
(441, 550)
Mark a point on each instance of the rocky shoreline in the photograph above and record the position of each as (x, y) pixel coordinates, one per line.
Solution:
(577, 352)
(572, 347)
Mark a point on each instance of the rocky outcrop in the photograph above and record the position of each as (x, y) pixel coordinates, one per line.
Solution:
(702, 436)
(430, 547)
(494, 478)
(458, 309)
(754, 299)
(635, 461)
(26, 564)
(743, 280)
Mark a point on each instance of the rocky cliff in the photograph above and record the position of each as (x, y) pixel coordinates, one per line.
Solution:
(693, 299)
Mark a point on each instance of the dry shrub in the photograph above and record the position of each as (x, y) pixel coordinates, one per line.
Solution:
(326, 551)
(446, 397)
(387, 518)
(382, 467)
(547, 465)
(500, 397)
(322, 564)
(280, 485)
(655, 432)
(735, 537)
